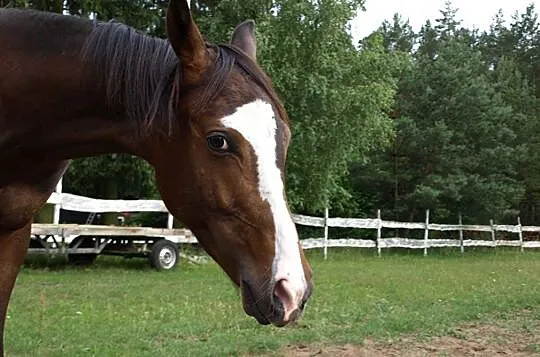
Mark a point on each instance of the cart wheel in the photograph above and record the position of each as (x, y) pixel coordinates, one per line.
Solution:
(81, 259)
(164, 255)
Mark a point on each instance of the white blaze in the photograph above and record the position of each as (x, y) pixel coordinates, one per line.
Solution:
(256, 122)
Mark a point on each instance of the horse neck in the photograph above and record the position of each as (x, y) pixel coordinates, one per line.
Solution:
(60, 121)
(64, 105)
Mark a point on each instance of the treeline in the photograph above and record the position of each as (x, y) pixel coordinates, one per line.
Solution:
(466, 120)
(445, 119)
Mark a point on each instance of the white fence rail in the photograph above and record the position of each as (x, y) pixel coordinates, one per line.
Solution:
(85, 204)
(426, 243)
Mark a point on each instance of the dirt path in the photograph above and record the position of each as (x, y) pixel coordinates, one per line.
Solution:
(518, 335)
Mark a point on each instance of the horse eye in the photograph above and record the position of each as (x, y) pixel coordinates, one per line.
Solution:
(218, 142)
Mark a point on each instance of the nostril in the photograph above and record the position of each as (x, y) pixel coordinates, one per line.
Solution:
(284, 292)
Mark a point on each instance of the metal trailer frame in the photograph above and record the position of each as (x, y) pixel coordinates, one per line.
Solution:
(81, 244)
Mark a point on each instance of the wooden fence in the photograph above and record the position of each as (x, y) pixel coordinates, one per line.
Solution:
(396, 242)
(85, 204)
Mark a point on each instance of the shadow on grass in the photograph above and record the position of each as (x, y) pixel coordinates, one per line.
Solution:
(58, 262)
(433, 253)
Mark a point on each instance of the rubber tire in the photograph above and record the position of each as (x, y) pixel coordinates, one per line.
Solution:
(158, 247)
(81, 259)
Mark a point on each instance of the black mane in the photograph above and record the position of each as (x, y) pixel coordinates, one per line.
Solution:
(140, 73)
(134, 69)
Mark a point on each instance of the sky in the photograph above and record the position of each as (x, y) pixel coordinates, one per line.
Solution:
(473, 13)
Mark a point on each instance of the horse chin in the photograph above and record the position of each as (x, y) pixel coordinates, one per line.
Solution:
(251, 307)
(266, 310)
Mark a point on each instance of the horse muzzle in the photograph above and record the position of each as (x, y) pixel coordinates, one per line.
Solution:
(278, 305)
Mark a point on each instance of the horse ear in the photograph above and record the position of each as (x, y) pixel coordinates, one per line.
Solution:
(184, 36)
(244, 38)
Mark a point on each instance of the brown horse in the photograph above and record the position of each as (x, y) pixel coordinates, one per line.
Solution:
(204, 116)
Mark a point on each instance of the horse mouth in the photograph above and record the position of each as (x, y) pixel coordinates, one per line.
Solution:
(250, 304)
(266, 310)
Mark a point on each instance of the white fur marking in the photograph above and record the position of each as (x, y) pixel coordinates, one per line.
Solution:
(256, 122)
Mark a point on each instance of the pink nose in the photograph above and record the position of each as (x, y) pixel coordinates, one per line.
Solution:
(287, 296)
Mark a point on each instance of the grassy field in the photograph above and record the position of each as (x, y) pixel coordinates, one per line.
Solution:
(123, 308)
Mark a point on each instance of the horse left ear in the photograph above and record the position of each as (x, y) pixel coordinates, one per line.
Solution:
(185, 37)
(244, 38)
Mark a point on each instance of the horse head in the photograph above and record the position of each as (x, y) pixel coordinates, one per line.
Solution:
(220, 170)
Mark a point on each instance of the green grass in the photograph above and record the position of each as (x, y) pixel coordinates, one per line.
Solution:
(118, 308)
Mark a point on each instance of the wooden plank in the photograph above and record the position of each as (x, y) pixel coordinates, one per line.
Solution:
(310, 243)
(122, 231)
(445, 227)
(368, 223)
(426, 233)
(461, 247)
(530, 229)
(379, 232)
(87, 204)
(439, 243)
(353, 243)
(492, 232)
(308, 220)
(402, 243)
(74, 229)
(531, 244)
(56, 215)
(409, 243)
(184, 239)
(457, 227)
(508, 243)
(520, 235)
(46, 229)
(325, 233)
(475, 228)
(477, 243)
(468, 227)
(405, 225)
(55, 198)
(506, 228)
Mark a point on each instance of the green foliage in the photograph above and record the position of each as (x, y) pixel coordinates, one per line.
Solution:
(513, 51)
(335, 94)
(463, 117)
(445, 118)
(217, 18)
(111, 176)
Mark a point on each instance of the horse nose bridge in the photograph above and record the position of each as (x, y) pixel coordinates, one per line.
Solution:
(288, 260)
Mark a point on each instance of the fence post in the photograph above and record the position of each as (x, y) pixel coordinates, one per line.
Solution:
(325, 233)
(520, 233)
(170, 221)
(426, 233)
(492, 233)
(379, 226)
(461, 247)
(56, 216)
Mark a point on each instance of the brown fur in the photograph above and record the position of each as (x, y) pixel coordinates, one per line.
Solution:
(73, 88)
